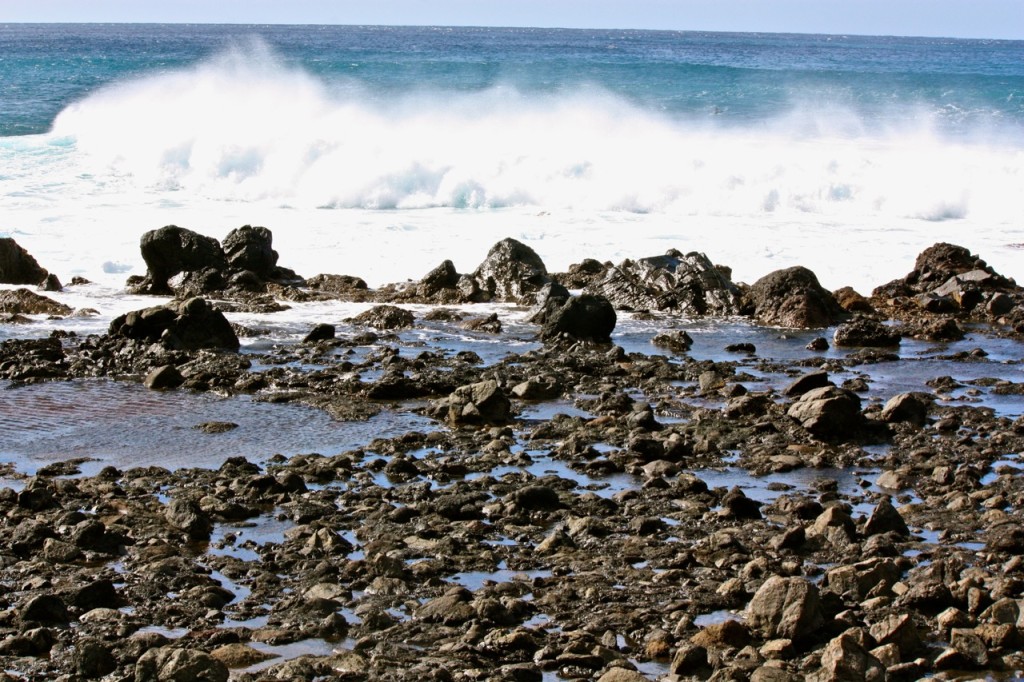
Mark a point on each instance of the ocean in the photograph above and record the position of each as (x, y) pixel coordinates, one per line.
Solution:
(381, 151)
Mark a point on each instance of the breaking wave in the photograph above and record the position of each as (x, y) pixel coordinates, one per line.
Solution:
(246, 126)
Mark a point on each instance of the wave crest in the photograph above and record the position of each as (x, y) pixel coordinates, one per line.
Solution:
(246, 126)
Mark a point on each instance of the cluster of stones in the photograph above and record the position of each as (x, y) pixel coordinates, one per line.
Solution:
(592, 584)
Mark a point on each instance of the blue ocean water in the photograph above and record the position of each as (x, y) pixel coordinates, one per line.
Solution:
(759, 148)
(743, 78)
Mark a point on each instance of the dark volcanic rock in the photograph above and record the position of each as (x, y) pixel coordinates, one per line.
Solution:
(251, 248)
(792, 298)
(829, 413)
(25, 302)
(180, 325)
(584, 318)
(386, 317)
(320, 332)
(512, 272)
(17, 266)
(866, 332)
(686, 284)
(171, 250)
(444, 276)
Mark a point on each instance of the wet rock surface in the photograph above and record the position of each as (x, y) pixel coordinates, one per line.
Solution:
(577, 510)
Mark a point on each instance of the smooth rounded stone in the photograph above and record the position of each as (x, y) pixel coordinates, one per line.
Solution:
(25, 302)
(586, 317)
(171, 250)
(865, 332)
(320, 332)
(169, 664)
(787, 608)
(18, 266)
(885, 518)
(792, 297)
(163, 378)
(807, 382)
(829, 413)
(687, 284)
(239, 655)
(844, 659)
(818, 345)
(386, 317)
(908, 407)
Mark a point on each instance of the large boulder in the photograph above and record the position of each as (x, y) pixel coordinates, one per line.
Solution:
(511, 272)
(685, 284)
(251, 248)
(787, 608)
(583, 318)
(179, 325)
(829, 413)
(792, 298)
(172, 250)
(17, 266)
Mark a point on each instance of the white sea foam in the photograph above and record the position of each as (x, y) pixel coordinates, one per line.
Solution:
(415, 178)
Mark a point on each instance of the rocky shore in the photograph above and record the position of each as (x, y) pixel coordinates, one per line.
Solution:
(578, 511)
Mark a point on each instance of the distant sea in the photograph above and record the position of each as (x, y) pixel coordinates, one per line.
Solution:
(380, 151)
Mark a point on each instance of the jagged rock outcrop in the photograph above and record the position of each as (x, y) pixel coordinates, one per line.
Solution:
(18, 266)
(246, 262)
(684, 284)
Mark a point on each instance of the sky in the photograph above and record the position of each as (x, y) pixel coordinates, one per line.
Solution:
(952, 18)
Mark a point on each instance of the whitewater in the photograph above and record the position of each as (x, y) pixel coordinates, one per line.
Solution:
(762, 152)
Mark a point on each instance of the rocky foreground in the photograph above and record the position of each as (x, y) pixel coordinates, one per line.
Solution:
(448, 555)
